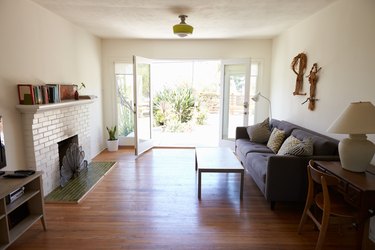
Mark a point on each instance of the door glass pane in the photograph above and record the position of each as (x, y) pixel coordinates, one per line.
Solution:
(144, 107)
(234, 98)
(124, 83)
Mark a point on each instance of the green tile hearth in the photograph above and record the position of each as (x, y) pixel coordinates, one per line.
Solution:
(76, 189)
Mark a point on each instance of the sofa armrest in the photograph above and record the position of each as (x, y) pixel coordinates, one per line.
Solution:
(241, 133)
(286, 178)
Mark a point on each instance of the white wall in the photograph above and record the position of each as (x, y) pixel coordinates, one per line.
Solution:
(341, 40)
(123, 50)
(36, 46)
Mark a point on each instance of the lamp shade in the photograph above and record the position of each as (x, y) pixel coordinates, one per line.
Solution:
(182, 29)
(255, 98)
(357, 118)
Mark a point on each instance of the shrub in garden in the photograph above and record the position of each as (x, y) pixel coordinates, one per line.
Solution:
(172, 108)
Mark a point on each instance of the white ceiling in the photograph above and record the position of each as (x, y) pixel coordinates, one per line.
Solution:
(211, 19)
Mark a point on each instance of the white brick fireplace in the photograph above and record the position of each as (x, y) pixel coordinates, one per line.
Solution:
(46, 125)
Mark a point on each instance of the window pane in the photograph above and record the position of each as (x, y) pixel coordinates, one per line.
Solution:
(123, 68)
(125, 116)
(144, 108)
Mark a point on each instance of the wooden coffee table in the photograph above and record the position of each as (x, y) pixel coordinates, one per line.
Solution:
(217, 160)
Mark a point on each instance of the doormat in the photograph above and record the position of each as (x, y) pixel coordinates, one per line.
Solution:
(77, 188)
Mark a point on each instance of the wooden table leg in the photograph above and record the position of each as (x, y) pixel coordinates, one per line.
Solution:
(199, 183)
(43, 223)
(241, 188)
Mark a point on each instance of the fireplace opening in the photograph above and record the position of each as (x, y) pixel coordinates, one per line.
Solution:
(72, 159)
(64, 145)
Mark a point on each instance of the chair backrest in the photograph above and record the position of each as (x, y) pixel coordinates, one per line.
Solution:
(323, 179)
(317, 175)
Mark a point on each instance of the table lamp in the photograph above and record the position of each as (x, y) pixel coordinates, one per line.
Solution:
(357, 120)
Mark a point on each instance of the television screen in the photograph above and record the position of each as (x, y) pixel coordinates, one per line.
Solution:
(3, 162)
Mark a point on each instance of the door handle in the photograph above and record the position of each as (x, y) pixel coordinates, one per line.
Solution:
(246, 105)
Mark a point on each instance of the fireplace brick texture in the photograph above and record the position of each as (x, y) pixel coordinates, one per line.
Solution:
(43, 129)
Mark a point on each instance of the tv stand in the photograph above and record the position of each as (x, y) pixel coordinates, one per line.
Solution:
(18, 216)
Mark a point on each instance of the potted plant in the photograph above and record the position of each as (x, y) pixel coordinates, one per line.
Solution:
(112, 142)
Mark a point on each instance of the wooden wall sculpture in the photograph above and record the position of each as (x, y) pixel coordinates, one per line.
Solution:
(313, 79)
(299, 62)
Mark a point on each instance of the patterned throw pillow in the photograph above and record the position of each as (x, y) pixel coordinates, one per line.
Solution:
(259, 132)
(305, 148)
(288, 144)
(276, 139)
(297, 147)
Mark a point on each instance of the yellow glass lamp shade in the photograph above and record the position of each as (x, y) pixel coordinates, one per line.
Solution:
(182, 29)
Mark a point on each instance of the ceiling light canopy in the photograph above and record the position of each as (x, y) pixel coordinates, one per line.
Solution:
(182, 29)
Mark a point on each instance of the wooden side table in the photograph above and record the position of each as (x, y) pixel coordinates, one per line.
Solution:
(359, 190)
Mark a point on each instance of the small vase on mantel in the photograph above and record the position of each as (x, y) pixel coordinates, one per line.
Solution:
(76, 95)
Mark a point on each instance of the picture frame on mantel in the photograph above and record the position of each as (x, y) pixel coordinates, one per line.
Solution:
(67, 91)
(26, 94)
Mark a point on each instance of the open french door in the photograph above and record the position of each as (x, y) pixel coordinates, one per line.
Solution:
(142, 104)
(235, 98)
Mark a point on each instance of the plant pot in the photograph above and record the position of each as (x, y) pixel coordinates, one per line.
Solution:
(112, 145)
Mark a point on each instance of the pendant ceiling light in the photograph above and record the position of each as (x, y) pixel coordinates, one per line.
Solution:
(182, 29)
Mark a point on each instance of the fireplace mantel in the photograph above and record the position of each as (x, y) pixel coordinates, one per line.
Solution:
(32, 109)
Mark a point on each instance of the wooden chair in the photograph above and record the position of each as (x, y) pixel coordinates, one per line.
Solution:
(331, 203)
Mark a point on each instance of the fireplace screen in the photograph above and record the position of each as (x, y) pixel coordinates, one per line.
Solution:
(73, 159)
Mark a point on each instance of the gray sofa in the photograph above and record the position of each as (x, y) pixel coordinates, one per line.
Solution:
(282, 177)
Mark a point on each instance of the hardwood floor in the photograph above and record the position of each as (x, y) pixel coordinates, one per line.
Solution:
(151, 203)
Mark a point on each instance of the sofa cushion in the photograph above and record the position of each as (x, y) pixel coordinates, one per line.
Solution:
(293, 146)
(276, 139)
(259, 132)
(246, 146)
(285, 126)
(322, 145)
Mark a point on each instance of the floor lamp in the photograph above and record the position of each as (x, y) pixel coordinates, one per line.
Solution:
(255, 98)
